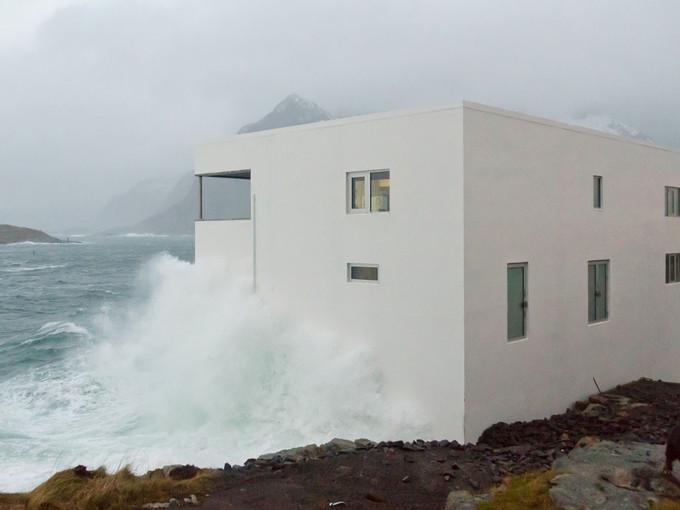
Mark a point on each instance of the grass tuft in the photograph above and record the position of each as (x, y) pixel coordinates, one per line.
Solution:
(13, 501)
(99, 490)
(524, 492)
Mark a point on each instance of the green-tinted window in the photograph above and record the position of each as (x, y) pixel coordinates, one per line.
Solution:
(597, 191)
(517, 301)
(673, 267)
(672, 201)
(598, 290)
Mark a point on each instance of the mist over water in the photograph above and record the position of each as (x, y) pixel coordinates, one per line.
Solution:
(170, 363)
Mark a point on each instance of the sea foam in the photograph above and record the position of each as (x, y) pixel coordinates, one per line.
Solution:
(195, 369)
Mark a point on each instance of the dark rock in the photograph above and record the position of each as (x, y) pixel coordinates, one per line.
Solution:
(376, 498)
(185, 472)
(82, 471)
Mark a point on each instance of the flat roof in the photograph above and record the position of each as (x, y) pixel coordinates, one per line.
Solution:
(359, 119)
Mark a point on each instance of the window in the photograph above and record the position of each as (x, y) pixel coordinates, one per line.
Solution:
(368, 191)
(672, 201)
(672, 267)
(597, 191)
(380, 191)
(358, 193)
(517, 301)
(362, 273)
(598, 290)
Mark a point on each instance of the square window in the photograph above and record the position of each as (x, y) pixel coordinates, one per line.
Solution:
(368, 191)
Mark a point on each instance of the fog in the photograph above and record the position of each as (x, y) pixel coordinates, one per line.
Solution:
(97, 95)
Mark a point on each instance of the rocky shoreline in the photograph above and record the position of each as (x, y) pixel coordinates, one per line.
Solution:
(423, 474)
(633, 418)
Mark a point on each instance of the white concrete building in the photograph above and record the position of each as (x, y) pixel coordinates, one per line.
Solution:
(497, 262)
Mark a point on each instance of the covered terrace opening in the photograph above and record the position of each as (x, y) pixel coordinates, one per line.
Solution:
(224, 196)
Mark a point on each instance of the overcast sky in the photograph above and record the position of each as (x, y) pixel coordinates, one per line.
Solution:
(98, 94)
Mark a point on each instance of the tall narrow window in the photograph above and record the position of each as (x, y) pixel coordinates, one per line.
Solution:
(517, 301)
(672, 267)
(597, 191)
(672, 201)
(368, 191)
(358, 191)
(598, 290)
(380, 191)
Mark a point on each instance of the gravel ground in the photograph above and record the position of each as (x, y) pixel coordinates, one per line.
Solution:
(419, 474)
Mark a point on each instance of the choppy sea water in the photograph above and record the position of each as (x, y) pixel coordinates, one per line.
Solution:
(121, 351)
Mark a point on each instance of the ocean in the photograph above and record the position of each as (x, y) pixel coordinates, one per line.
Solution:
(119, 351)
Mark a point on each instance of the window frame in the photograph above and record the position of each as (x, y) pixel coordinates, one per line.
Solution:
(607, 311)
(350, 189)
(525, 267)
(598, 192)
(672, 279)
(351, 265)
(366, 174)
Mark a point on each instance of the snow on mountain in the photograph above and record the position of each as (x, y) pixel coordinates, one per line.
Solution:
(607, 124)
(292, 111)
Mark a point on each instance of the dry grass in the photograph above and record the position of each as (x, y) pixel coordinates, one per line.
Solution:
(13, 501)
(523, 492)
(102, 491)
(666, 504)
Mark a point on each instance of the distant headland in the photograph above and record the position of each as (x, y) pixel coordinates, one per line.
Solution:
(12, 234)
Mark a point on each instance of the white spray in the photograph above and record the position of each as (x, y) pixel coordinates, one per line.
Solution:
(198, 370)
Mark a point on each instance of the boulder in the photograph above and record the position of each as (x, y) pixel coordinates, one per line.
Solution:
(606, 476)
(311, 451)
(180, 472)
(594, 410)
(364, 444)
(338, 445)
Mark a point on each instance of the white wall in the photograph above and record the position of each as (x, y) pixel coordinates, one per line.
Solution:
(412, 319)
(225, 243)
(528, 198)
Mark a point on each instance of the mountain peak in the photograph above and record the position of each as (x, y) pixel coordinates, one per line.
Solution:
(293, 110)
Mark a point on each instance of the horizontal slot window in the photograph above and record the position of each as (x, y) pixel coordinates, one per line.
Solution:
(362, 272)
